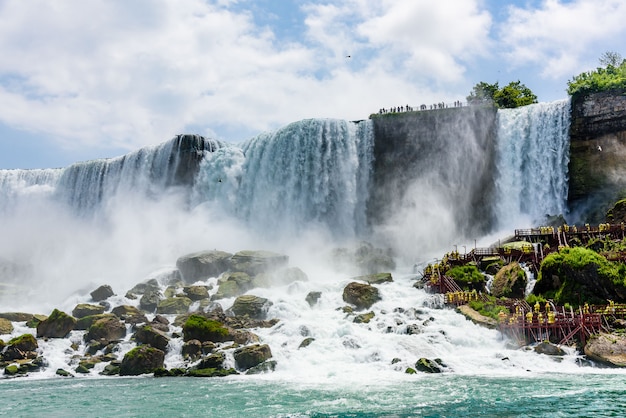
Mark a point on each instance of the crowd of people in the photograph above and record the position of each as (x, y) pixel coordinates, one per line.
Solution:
(407, 108)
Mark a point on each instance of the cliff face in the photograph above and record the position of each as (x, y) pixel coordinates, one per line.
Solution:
(428, 157)
(597, 154)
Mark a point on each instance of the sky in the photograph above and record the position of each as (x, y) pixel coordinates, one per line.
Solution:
(81, 80)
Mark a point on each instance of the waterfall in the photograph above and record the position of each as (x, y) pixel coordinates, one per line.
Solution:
(310, 173)
(533, 154)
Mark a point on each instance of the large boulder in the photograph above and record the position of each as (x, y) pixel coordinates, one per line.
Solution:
(365, 258)
(549, 349)
(102, 293)
(85, 322)
(203, 329)
(253, 306)
(362, 295)
(143, 287)
(141, 360)
(196, 292)
(57, 325)
(173, 306)
(233, 284)
(608, 349)
(106, 329)
(510, 282)
(251, 355)
(17, 316)
(152, 336)
(129, 314)
(85, 309)
(150, 300)
(6, 327)
(202, 265)
(255, 262)
(22, 347)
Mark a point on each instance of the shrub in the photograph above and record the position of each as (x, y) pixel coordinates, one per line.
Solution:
(468, 277)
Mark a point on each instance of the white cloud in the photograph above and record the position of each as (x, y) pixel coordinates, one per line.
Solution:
(124, 74)
(560, 35)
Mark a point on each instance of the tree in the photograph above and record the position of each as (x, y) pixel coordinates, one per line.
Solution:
(611, 58)
(515, 94)
(482, 93)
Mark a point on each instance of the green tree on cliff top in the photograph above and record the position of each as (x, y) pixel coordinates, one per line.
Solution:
(515, 94)
(610, 76)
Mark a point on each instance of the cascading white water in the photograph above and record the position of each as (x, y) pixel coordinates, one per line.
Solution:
(314, 173)
(533, 154)
(311, 174)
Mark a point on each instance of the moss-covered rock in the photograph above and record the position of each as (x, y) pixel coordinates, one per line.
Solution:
(202, 329)
(6, 327)
(362, 295)
(510, 281)
(129, 314)
(429, 366)
(150, 300)
(16, 316)
(233, 284)
(57, 325)
(22, 347)
(85, 309)
(152, 336)
(175, 305)
(577, 275)
(364, 318)
(141, 360)
(210, 372)
(255, 307)
(196, 292)
(84, 323)
(107, 329)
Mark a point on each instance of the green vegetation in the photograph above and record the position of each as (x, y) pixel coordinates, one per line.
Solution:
(515, 94)
(468, 277)
(577, 275)
(611, 76)
(490, 309)
(200, 328)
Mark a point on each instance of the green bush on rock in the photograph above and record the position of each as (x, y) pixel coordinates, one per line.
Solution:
(578, 275)
(468, 277)
(202, 329)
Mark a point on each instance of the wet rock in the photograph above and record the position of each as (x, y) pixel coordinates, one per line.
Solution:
(202, 265)
(57, 325)
(129, 314)
(365, 258)
(102, 293)
(608, 349)
(313, 297)
(265, 367)
(377, 278)
(212, 361)
(306, 342)
(173, 306)
(143, 287)
(202, 329)
(256, 262)
(63, 373)
(255, 307)
(549, 349)
(16, 316)
(233, 284)
(6, 327)
(84, 323)
(154, 337)
(196, 292)
(22, 347)
(364, 318)
(428, 366)
(150, 300)
(252, 355)
(107, 329)
(85, 309)
(141, 360)
(280, 277)
(363, 296)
